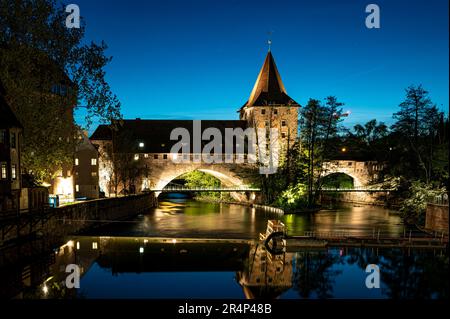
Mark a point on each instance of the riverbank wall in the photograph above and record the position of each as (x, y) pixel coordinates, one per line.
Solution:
(362, 198)
(72, 219)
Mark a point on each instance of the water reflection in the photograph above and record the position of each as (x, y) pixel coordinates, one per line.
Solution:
(133, 267)
(188, 218)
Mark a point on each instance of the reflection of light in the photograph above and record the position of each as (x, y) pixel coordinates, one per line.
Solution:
(145, 241)
(94, 245)
(45, 289)
(78, 245)
(174, 241)
(70, 243)
(141, 250)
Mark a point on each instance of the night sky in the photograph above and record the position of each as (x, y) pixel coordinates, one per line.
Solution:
(199, 59)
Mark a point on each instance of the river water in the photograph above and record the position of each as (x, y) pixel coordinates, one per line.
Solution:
(191, 249)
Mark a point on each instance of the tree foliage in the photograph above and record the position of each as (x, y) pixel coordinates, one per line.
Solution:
(48, 70)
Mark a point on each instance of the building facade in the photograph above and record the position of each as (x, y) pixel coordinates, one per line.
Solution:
(134, 153)
(85, 170)
(10, 143)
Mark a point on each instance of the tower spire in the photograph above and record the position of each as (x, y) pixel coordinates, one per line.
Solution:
(269, 40)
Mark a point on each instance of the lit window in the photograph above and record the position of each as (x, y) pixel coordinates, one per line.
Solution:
(93, 161)
(136, 157)
(69, 173)
(13, 172)
(141, 144)
(94, 245)
(76, 162)
(146, 155)
(4, 171)
(77, 188)
(93, 174)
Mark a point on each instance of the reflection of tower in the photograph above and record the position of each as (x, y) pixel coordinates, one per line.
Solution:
(266, 275)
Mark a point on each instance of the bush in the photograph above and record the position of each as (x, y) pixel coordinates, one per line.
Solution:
(414, 207)
(293, 197)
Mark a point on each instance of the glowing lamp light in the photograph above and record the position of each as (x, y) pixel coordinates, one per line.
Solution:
(141, 250)
(94, 245)
(141, 144)
(344, 149)
(45, 289)
(174, 241)
(78, 245)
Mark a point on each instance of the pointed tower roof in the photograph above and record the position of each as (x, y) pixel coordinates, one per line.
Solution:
(269, 89)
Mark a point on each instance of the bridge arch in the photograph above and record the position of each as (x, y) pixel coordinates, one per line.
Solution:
(228, 174)
(355, 169)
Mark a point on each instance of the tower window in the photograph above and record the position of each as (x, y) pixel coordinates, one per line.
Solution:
(76, 162)
(2, 136)
(263, 111)
(283, 123)
(165, 156)
(93, 161)
(267, 123)
(155, 156)
(13, 172)
(275, 111)
(283, 135)
(77, 188)
(13, 140)
(94, 174)
(136, 157)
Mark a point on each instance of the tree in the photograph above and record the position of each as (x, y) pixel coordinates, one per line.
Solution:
(417, 127)
(319, 124)
(370, 139)
(47, 71)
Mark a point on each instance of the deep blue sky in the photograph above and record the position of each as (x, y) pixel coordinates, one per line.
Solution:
(199, 59)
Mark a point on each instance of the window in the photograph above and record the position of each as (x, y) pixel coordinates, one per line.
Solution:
(2, 136)
(155, 156)
(283, 135)
(3, 172)
(145, 155)
(13, 140)
(69, 173)
(76, 162)
(77, 188)
(94, 174)
(165, 156)
(283, 123)
(275, 111)
(136, 157)
(93, 161)
(349, 163)
(266, 123)
(13, 172)
(263, 111)
(141, 144)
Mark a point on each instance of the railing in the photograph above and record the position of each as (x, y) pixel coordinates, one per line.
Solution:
(242, 188)
(439, 199)
(356, 189)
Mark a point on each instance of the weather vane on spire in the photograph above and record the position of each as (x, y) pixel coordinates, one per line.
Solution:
(269, 41)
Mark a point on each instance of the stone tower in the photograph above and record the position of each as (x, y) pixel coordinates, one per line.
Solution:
(269, 106)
